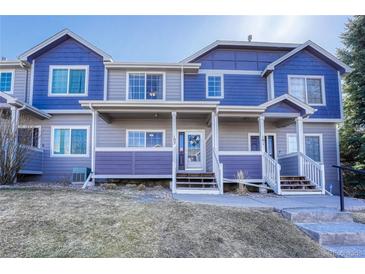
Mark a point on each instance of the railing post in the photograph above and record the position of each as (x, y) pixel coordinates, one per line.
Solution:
(342, 202)
(323, 180)
(221, 189)
(278, 185)
(300, 143)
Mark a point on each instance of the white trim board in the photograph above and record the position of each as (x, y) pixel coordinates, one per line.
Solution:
(230, 71)
(132, 149)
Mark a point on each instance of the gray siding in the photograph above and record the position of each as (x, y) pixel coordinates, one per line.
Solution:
(59, 168)
(117, 84)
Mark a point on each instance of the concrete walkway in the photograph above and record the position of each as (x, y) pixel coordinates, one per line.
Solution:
(273, 202)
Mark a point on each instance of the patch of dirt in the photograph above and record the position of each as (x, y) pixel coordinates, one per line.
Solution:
(125, 222)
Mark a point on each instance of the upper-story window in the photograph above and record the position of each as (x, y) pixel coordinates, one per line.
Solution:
(7, 81)
(214, 86)
(309, 89)
(68, 80)
(146, 86)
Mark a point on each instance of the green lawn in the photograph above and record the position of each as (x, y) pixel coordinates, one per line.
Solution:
(116, 223)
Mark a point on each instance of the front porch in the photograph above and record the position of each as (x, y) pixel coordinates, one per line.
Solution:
(201, 146)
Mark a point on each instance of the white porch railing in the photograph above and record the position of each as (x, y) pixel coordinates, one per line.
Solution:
(218, 171)
(312, 170)
(271, 172)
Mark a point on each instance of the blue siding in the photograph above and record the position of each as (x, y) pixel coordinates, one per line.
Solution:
(133, 163)
(305, 63)
(69, 52)
(2, 100)
(289, 166)
(33, 161)
(247, 90)
(283, 107)
(249, 164)
(238, 59)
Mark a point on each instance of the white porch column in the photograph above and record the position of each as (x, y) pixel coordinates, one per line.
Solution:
(174, 151)
(93, 144)
(262, 133)
(14, 126)
(300, 141)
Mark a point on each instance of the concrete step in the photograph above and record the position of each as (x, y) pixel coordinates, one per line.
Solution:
(187, 190)
(344, 233)
(346, 251)
(316, 215)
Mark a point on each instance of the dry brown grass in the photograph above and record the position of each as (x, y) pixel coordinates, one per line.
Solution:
(359, 216)
(71, 223)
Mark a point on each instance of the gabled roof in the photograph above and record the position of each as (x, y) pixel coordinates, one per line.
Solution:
(10, 100)
(24, 56)
(270, 67)
(287, 97)
(219, 43)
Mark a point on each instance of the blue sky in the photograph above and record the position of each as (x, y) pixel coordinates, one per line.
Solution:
(167, 38)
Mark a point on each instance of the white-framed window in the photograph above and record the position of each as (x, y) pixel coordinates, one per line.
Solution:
(70, 80)
(70, 141)
(313, 146)
(291, 143)
(145, 138)
(146, 86)
(270, 143)
(308, 88)
(30, 136)
(7, 81)
(214, 85)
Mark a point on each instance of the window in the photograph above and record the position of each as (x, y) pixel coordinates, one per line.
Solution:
(291, 140)
(6, 81)
(145, 86)
(69, 141)
(214, 86)
(29, 136)
(313, 146)
(68, 80)
(309, 89)
(270, 145)
(140, 138)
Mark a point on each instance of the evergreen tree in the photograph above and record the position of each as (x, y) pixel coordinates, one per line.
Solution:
(352, 132)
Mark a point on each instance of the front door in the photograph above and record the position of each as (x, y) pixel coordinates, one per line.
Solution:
(191, 150)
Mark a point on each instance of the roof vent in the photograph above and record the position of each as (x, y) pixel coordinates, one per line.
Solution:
(3, 58)
(249, 38)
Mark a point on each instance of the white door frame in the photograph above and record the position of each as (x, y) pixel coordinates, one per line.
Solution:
(202, 147)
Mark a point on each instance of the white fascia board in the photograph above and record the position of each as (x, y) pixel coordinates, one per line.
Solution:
(16, 63)
(57, 36)
(20, 104)
(241, 109)
(237, 43)
(270, 67)
(152, 65)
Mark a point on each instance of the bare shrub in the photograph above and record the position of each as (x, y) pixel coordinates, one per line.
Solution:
(242, 189)
(13, 153)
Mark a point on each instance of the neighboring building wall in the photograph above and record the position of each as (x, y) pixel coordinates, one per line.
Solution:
(306, 63)
(117, 84)
(69, 52)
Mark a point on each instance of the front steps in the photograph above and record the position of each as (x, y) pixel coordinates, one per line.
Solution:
(196, 183)
(334, 230)
(293, 185)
